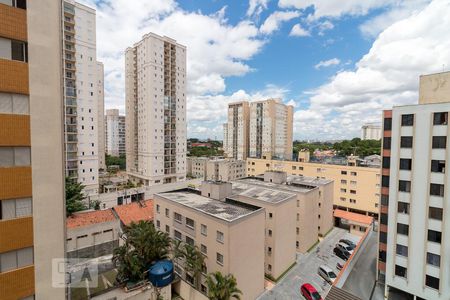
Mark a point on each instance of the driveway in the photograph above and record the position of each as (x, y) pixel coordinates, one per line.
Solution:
(305, 271)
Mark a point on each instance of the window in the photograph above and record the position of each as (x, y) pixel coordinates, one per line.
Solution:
(343, 190)
(20, 4)
(14, 156)
(383, 219)
(440, 118)
(401, 250)
(432, 282)
(190, 278)
(352, 192)
(437, 189)
(405, 163)
(382, 256)
(386, 143)
(204, 229)
(219, 237)
(190, 223)
(383, 237)
(269, 267)
(203, 249)
(403, 208)
(343, 172)
(404, 186)
(386, 162)
(439, 142)
(433, 259)
(19, 51)
(435, 213)
(16, 259)
(167, 229)
(385, 181)
(294, 168)
(177, 217)
(438, 166)
(15, 208)
(190, 241)
(353, 173)
(408, 120)
(402, 229)
(219, 258)
(177, 235)
(158, 224)
(400, 271)
(387, 125)
(157, 208)
(167, 212)
(434, 236)
(269, 232)
(385, 200)
(203, 289)
(406, 142)
(297, 244)
(270, 215)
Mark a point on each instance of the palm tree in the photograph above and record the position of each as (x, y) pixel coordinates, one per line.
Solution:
(194, 262)
(222, 287)
(177, 251)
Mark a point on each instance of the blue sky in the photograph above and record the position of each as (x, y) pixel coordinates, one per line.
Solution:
(338, 62)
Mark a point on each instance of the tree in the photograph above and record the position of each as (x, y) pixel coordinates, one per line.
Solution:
(194, 262)
(222, 287)
(74, 197)
(144, 245)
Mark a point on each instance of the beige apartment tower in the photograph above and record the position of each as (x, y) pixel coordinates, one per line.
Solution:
(237, 129)
(31, 149)
(115, 133)
(270, 133)
(155, 88)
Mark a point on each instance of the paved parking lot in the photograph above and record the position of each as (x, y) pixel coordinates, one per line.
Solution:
(306, 269)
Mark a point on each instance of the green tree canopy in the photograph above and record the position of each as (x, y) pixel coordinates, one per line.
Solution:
(74, 197)
(222, 287)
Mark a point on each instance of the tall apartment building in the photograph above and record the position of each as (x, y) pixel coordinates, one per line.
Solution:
(270, 133)
(225, 136)
(82, 98)
(101, 117)
(31, 149)
(155, 83)
(237, 130)
(371, 131)
(414, 234)
(115, 133)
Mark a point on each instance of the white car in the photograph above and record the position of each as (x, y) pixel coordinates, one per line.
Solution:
(327, 273)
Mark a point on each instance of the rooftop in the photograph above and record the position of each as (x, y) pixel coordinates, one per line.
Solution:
(218, 209)
(134, 212)
(353, 217)
(81, 219)
(271, 185)
(260, 193)
(308, 180)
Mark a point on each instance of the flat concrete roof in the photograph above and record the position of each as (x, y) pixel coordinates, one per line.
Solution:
(226, 211)
(271, 185)
(308, 180)
(260, 193)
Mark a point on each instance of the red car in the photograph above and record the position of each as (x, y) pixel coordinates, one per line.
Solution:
(309, 292)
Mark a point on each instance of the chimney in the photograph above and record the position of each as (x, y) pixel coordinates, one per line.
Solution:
(217, 190)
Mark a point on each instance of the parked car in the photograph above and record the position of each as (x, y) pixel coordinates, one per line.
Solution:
(339, 266)
(309, 292)
(327, 273)
(343, 254)
(348, 243)
(345, 247)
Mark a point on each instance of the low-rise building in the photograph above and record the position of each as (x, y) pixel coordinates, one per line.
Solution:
(229, 234)
(92, 234)
(356, 188)
(134, 212)
(196, 166)
(215, 168)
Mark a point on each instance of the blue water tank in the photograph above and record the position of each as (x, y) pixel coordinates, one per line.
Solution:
(161, 273)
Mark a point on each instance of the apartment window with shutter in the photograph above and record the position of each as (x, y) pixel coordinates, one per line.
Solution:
(433, 259)
(405, 163)
(408, 120)
(401, 250)
(435, 213)
(406, 142)
(219, 237)
(434, 236)
(438, 166)
(402, 229)
(404, 186)
(386, 143)
(432, 282)
(204, 229)
(437, 189)
(400, 271)
(403, 208)
(440, 118)
(219, 258)
(439, 142)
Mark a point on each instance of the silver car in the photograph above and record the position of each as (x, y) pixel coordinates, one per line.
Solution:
(327, 273)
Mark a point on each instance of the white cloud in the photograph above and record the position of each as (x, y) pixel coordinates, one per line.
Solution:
(256, 7)
(324, 26)
(328, 8)
(298, 30)
(274, 21)
(327, 63)
(387, 75)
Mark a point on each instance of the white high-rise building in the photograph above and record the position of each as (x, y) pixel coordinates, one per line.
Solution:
(225, 137)
(271, 127)
(115, 133)
(155, 83)
(371, 131)
(100, 117)
(236, 131)
(82, 97)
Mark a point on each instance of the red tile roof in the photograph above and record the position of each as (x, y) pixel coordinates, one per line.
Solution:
(135, 212)
(81, 219)
(354, 217)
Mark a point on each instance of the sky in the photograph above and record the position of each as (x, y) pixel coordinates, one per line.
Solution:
(339, 63)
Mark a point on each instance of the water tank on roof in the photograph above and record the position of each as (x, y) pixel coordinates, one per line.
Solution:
(161, 273)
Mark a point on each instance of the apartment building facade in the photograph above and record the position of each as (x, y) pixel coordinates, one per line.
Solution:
(31, 149)
(101, 117)
(371, 131)
(356, 189)
(413, 245)
(115, 132)
(270, 133)
(82, 79)
(215, 168)
(230, 236)
(238, 116)
(155, 87)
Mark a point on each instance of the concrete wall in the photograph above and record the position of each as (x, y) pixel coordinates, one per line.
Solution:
(367, 180)
(326, 193)
(308, 221)
(434, 88)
